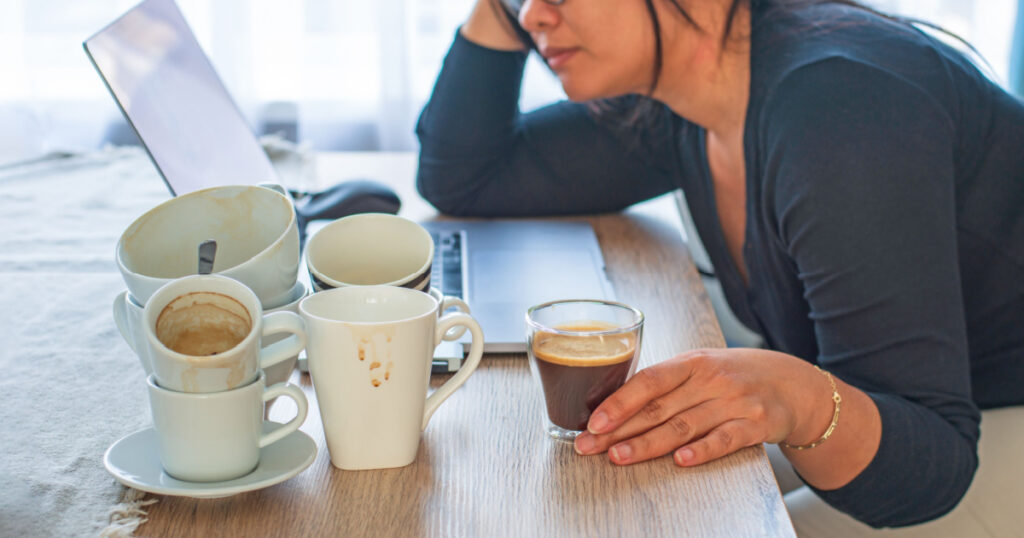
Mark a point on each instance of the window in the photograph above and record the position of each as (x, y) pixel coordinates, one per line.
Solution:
(356, 73)
(986, 24)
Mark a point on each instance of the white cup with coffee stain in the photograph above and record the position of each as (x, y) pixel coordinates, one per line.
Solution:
(255, 229)
(205, 334)
(370, 350)
(217, 436)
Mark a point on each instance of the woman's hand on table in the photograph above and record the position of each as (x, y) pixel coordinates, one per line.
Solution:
(709, 403)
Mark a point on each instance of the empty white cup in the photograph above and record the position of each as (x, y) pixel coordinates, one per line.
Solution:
(217, 436)
(255, 229)
(370, 249)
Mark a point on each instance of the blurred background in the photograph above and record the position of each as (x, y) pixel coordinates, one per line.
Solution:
(332, 74)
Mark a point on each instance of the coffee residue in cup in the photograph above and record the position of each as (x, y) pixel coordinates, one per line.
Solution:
(203, 324)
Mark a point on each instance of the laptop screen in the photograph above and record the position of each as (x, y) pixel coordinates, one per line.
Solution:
(172, 97)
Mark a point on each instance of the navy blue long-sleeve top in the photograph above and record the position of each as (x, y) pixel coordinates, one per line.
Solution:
(885, 218)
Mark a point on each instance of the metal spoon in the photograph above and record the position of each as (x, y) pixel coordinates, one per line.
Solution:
(207, 253)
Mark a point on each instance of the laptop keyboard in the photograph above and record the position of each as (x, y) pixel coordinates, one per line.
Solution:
(446, 272)
(446, 275)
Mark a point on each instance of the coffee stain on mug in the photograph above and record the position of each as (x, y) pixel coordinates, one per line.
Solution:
(375, 343)
(237, 371)
(235, 376)
(363, 342)
(190, 379)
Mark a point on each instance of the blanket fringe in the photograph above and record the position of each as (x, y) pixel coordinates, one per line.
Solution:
(126, 516)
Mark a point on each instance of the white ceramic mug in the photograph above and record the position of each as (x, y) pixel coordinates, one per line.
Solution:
(370, 249)
(128, 318)
(370, 350)
(217, 436)
(255, 229)
(221, 297)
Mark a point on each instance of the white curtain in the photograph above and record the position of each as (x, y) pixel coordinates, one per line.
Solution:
(986, 24)
(342, 74)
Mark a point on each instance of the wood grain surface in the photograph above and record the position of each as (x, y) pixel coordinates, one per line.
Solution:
(485, 466)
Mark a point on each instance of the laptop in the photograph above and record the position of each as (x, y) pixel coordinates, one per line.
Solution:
(197, 137)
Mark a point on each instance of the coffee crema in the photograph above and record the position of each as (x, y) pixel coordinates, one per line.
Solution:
(578, 372)
(203, 324)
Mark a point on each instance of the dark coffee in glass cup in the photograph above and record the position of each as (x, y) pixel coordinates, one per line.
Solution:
(581, 351)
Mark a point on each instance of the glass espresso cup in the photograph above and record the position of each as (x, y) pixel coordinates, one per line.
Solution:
(581, 351)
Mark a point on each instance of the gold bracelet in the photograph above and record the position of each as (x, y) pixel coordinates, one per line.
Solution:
(835, 417)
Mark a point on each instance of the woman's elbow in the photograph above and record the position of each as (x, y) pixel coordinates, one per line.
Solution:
(439, 189)
(950, 481)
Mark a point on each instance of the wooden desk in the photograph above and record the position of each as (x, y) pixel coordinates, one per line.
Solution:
(485, 466)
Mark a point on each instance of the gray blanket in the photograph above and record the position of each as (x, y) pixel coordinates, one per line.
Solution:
(69, 385)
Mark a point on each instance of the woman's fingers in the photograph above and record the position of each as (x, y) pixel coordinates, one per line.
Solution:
(673, 433)
(721, 441)
(651, 415)
(641, 389)
(702, 405)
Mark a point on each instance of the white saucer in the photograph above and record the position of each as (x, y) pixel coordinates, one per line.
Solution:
(134, 462)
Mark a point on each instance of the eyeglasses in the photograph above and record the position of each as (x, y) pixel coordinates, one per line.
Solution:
(517, 5)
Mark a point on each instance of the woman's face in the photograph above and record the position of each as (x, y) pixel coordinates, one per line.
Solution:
(598, 48)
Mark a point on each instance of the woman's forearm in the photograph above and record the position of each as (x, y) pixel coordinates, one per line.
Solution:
(468, 126)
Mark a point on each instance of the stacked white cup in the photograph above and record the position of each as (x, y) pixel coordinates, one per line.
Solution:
(257, 244)
(208, 403)
(204, 336)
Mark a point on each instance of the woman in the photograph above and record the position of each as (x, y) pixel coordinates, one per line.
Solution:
(860, 190)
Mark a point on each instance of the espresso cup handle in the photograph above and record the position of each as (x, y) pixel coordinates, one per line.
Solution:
(296, 394)
(457, 331)
(282, 322)
(476, 351)
(120, 318)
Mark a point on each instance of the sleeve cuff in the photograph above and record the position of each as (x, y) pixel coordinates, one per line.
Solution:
(914, 477)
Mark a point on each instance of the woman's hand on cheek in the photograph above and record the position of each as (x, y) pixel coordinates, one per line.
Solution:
(703, 405)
